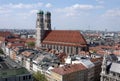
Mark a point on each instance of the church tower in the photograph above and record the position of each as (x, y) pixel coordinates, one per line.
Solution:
(39, 28)
(47, 21)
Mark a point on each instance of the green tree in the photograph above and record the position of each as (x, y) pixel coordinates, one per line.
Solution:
(31, 44)
(39, 77)
(1, 51)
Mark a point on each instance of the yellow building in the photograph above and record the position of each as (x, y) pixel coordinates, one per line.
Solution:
(75, 72)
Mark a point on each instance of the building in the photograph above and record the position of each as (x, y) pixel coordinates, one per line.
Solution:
(97, 69)
(11, 71)
(110, 68)
(69, 41)
(76, 68)
(88, 64)
(75, 72)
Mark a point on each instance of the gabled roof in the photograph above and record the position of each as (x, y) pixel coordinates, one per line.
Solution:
(64, 37)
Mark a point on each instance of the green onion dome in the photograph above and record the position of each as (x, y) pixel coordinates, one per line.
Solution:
(40, 12)
(48, 13)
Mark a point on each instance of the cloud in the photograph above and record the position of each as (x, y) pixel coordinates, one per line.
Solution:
(83, 7)
(22, 6)
(70, 14)
(112, 13)
(78, 9)
(100, 1)
(48, 5)
(33, 11)
(16, 8)
(4, 11)
(79, 6)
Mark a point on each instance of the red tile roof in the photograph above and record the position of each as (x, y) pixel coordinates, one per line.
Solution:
(64, 37)
(18, 45)
(5, 34)
(30, 40)
(9, 45)
(13, 40)
(69, 69)
(116, 52)
(96, 59)
(26, 53)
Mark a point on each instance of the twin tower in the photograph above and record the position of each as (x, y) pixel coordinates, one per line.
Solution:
(43, 23)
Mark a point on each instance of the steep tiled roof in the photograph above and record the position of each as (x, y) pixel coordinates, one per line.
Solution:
(69, 69)
(65, 37)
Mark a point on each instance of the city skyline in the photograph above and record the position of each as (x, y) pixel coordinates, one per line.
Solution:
(70, 15)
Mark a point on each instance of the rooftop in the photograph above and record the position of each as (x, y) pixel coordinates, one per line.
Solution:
(5, 34)
(69, 69)
(115, 67)
(10, 68)
(65, 37)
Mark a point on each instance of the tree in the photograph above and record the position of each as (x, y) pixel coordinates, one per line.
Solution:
(1, 51)
(39, 77)
(31, 44)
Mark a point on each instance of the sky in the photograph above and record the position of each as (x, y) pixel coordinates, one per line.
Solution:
(65, 14)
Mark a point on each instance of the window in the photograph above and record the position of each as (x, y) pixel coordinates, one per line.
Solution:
(41, 20)
(19, 78)
(23, 77)
(67, 49)
(71, 50)
(38, 23)
(113, 74)
(26, 77)
(37, 19)
(6, 79)
(29, 76)
(76, 50)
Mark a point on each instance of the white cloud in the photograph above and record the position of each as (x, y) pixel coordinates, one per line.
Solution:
(70, 14)
(48, 5)
(100, 1)
(4, 11)
(112, 13)
(33, 11)
(80, 6)
(21, 6)
(78, 9)
(14, 8)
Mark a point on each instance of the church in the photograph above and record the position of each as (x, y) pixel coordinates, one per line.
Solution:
(68, 41)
